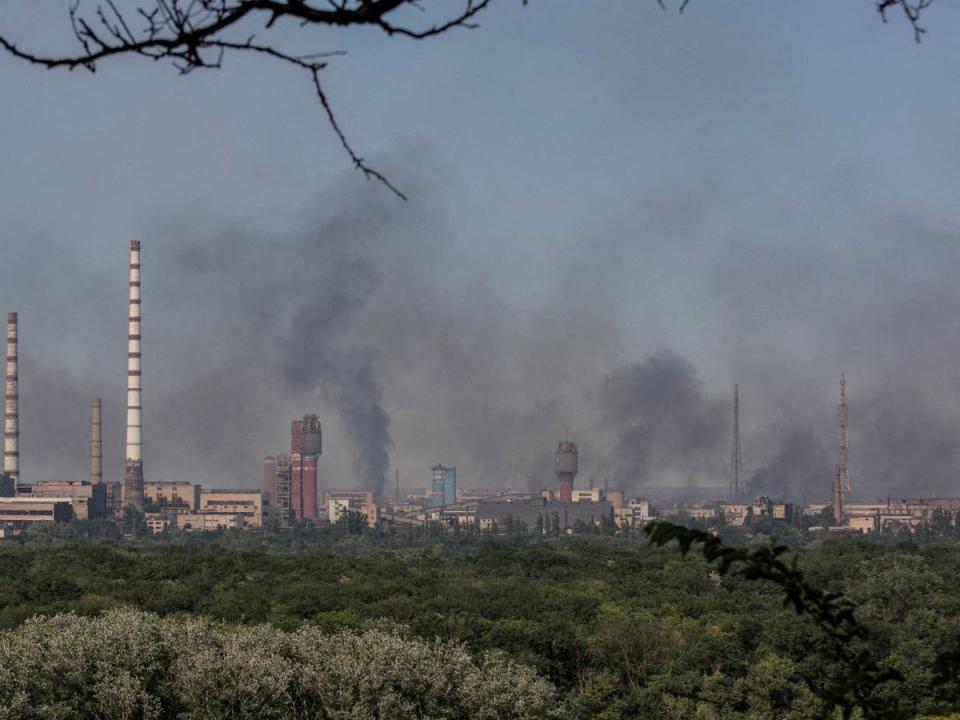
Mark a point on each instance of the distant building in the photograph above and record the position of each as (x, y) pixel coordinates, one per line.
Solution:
(614, 497)
(473, 494)
(585, 495)
(278, 485)
(248, 503)
(459, 514)
(171, 497)
(865, 525)
(339, 502)
(736, 513)
(209, 521)
(89, 501)
(636, 513)
(305, 448)
(114, 498)
(535, 510)
(21, 512)
(158, 522)
(764, 506)
(739, 513)
(290, 481)
(444, 487)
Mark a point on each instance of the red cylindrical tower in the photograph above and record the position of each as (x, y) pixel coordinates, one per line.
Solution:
(565, 465)
(308, 470)
(305, 446)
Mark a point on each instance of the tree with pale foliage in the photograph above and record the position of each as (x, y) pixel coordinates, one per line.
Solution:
(129, 664)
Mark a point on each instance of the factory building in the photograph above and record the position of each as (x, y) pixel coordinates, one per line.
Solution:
(195, 522)
(469, 495)
(7, 486)
(171, 497)
(443, 490)
(157, 522)
(20, 513)
(586, 495)
(114, 494)
(636, 513)
(533, 511)
(305, 448)
(246, 503)
(290, 481)
(278, 485)
(339, 502)
(741, 513)
(88, 501)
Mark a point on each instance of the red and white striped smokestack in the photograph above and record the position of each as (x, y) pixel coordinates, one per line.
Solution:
(133, 476)
(96, 442)
(11, 406)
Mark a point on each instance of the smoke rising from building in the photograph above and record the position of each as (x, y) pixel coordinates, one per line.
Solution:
(314, 359)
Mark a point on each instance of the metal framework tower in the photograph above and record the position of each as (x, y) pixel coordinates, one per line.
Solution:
(736, 459)
(841, 483)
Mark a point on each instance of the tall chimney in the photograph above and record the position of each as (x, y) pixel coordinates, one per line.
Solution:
(96, 445)
(133, 475)
(11, 407)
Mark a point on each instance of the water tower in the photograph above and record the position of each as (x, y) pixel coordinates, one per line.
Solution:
(565, 466)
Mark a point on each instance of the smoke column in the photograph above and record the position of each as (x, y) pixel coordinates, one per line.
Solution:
(11, 412)
(665, 424)
(133, 475)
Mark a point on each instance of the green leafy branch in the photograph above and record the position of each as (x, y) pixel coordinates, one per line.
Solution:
(854, 688)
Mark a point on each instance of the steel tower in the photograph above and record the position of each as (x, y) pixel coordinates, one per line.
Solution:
(736, 459)
(841, 483)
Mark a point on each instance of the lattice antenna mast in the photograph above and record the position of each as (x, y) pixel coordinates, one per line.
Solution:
(841, 485)
(842, 437)
(736, 459)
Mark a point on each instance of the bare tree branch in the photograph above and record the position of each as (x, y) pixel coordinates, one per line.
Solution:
(911, 10)
(196, 34)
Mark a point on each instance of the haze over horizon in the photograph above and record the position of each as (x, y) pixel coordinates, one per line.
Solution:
(613, 217)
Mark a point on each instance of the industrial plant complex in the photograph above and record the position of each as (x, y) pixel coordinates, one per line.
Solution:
(290, 493)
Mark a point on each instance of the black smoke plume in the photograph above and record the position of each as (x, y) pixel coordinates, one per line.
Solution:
(667, 430)
(799, 468)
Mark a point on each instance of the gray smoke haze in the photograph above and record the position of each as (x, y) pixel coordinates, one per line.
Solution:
(417, 343)
(800, 468)
(364, 313)
(907, 448)
(667, 429)
(765, 219)
(311, 358)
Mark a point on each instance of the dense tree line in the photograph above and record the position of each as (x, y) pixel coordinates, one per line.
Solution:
(619, 628)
